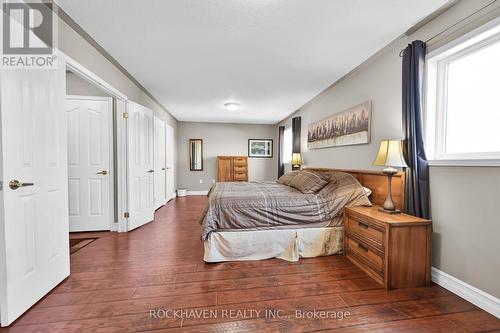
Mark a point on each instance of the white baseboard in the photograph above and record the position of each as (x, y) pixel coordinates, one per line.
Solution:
(196, 192)
(485, 301)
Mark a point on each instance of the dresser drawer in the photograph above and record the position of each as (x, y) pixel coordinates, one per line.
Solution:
(240, 161)
(240, 169)
(363, 251)
(365, 229)
(239, 176)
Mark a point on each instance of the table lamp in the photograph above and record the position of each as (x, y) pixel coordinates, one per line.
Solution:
(296, 161)
(390, 155)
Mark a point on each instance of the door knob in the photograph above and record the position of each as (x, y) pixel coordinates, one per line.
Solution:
(151, 171)
(103, 172)
(162, 169)
(15, 184)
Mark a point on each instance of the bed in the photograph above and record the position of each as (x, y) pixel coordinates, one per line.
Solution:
(260, 220)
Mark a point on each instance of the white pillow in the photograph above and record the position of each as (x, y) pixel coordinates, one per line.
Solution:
(367, 191)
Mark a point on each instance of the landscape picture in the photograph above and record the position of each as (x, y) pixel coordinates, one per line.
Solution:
(349, 127)
(260, 148)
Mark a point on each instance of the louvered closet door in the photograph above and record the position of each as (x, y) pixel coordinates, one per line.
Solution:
(140, 165)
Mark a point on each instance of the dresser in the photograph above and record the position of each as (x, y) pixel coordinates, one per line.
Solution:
(394, 249)
(232, 168)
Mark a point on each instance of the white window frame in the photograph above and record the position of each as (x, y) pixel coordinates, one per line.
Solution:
(435, 99)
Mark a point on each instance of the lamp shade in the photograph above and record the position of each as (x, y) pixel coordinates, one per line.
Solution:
(296, 159)
(390, 154)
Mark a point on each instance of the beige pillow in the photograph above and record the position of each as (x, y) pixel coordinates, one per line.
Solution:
(308, 182)
(287, 177)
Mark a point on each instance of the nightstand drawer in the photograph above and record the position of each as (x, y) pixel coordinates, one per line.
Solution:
(363, 251)
(394, 249)
(365, 229)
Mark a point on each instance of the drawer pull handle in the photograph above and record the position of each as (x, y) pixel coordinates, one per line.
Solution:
(362, 247)
(362, 225)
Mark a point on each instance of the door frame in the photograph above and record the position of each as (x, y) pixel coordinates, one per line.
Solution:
(121, 135)
(173, 157)
(111, 151)
(164, 161)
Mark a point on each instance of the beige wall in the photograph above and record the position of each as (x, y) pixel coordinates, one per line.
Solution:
(466, 214)
(465, 200)
(75, 85)
(222, 139)
(71, 43)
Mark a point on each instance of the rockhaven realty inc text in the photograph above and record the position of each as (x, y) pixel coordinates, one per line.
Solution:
(237, 314)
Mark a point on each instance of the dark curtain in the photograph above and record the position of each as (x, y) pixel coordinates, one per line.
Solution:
(296, 134)
(281, 143)
(417, 174)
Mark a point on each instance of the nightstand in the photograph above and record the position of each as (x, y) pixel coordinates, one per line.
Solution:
(394, 249)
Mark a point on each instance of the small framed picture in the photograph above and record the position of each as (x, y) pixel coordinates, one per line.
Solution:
(260, 148)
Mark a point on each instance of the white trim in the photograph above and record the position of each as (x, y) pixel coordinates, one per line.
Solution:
(481, 299)
(465, 163)
(196, 192)
(90, 98)
(121, 134)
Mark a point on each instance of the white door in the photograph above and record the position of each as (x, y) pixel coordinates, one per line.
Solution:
(140, 165)
(89, 162)
(160, 167)
(34, 249)
(170, 162)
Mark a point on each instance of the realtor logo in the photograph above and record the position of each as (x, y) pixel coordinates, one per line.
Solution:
(28, 34)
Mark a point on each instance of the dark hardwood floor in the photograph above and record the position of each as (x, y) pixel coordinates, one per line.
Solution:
(119, 278)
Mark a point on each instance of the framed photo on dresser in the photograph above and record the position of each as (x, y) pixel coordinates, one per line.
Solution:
(260, 148)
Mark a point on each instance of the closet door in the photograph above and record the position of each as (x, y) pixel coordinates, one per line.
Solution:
(89, 162)
(160, 182)
(34, 249)
(140, 165)
(170, 162)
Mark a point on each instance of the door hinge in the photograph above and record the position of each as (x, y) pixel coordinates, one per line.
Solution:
(126, 215)
(125, 115)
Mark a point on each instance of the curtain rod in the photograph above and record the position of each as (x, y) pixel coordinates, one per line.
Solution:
(453, 25)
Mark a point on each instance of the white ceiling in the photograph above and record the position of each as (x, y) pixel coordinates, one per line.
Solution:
(272, 56)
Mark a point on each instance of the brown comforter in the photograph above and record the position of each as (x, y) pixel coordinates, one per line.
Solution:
(270, 205)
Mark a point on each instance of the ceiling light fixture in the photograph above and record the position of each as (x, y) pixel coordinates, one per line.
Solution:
(232, 106)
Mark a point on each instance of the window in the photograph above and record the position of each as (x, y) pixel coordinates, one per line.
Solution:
(463, 109)
(287, 146)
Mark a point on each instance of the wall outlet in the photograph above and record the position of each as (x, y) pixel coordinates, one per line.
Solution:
(201, 181)
(213, 181)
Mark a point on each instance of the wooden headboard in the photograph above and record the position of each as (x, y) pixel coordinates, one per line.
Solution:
(377, 182)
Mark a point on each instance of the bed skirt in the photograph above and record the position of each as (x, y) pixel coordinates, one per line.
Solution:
(287, 244)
